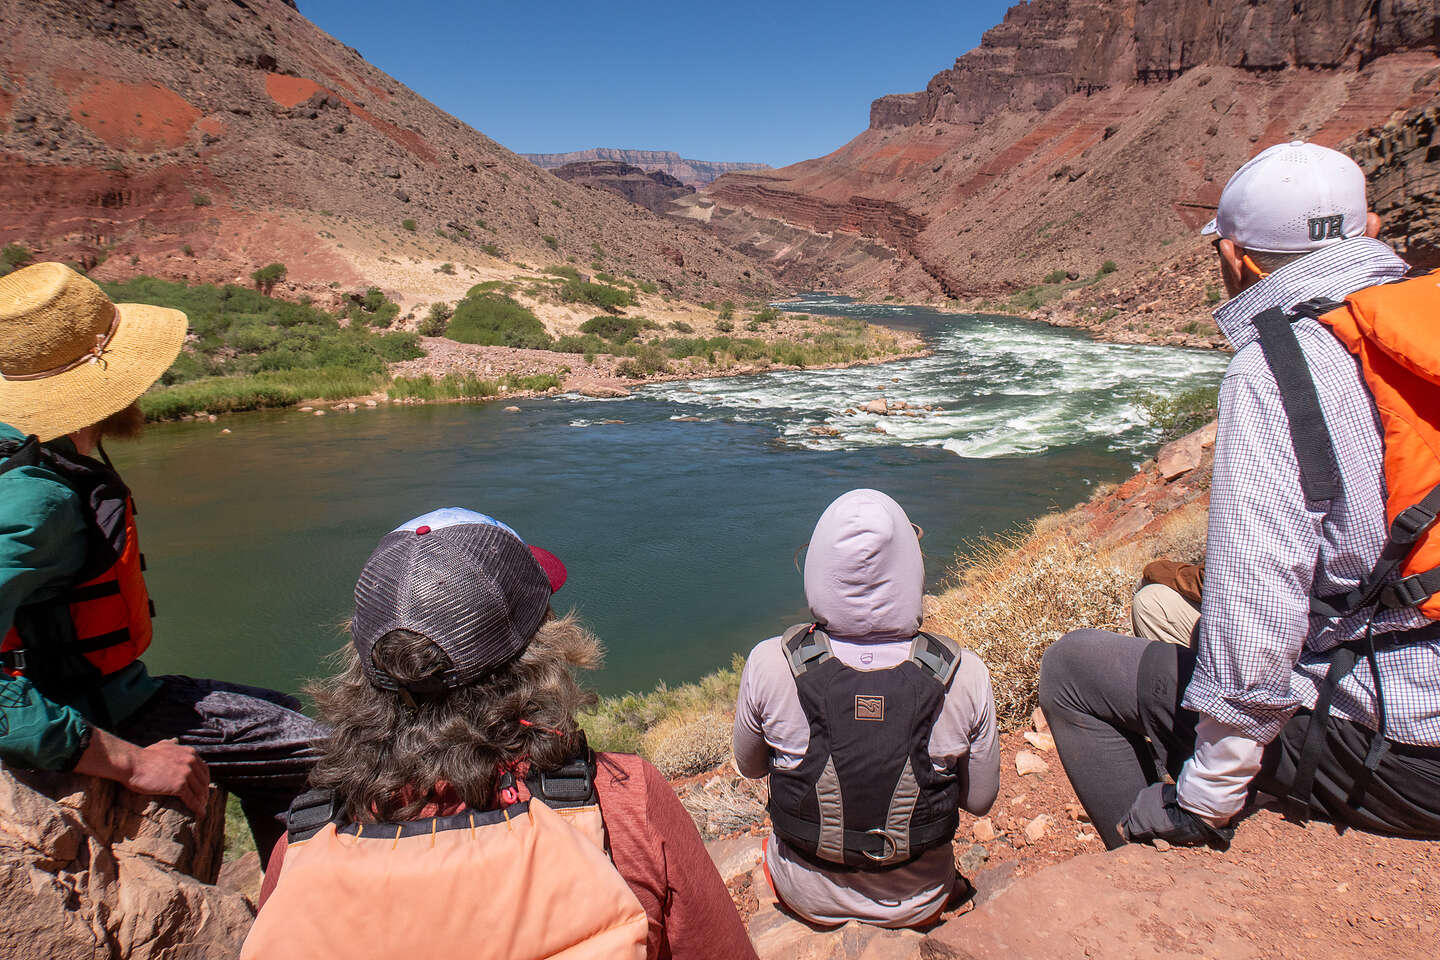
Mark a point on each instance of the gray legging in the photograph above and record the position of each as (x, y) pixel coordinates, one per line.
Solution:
(1088, 690)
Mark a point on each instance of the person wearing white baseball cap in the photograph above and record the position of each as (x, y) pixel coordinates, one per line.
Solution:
(1254, 706)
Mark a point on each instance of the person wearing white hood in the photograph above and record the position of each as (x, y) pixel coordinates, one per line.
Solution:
(873, 733)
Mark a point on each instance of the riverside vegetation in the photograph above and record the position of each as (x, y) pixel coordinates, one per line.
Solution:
(247, 350)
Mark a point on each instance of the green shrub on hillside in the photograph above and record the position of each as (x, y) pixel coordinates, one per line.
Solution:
(643, 361)
(493, 319)
(1055, 276)
(1109, 266)
(408, 224)
(13, 256)
(292, 350)
(615, 329)
(607, 298)
(372, 308)
(436, 320)
(587, 343)
(550, 241)
(268, 276)
(562, 270)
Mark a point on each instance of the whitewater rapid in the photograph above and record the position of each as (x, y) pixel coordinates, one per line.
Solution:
(1000, 387)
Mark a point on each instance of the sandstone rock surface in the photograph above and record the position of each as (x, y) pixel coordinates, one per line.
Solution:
(89, 870)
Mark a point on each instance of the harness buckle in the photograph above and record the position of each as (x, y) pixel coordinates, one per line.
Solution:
(1411, 523)
(1406, 592)
(892, 847)
(13, 660)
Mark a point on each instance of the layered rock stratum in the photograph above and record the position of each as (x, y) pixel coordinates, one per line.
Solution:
(692, 172)
(1080, 132)
(199, 139)
(654, 190)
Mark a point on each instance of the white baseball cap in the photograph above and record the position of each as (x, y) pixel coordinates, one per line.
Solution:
(1292, 198)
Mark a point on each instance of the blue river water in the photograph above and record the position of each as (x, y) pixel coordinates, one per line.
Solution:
(679, 524)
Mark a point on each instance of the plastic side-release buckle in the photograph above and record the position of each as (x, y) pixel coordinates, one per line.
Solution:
(309, 813)
(1405, 592)
(1411, 524)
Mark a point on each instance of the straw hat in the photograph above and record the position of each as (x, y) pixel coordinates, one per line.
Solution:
(69, 357)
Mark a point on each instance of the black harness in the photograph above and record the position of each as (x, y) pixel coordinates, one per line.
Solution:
(865, 796)
(572, 785)
(1320, 481)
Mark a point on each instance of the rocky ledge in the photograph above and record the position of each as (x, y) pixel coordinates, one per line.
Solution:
(90, 870)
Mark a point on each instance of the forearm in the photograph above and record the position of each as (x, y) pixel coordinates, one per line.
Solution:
(1215, 781)
(108, 757)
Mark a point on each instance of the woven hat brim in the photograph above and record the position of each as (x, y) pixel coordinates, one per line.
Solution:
(145, 343)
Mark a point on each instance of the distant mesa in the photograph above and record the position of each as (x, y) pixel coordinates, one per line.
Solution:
(653, 190)
(695, 173)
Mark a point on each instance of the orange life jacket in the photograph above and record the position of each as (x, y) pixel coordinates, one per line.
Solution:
(102, 622)
(525, 882)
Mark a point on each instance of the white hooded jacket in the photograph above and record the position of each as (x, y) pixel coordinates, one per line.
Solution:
(864, 582)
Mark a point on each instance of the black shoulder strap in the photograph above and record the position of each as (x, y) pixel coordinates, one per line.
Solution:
(806, 645)
(1309, 435)
(937, 655)
(309, 813)
(19, 453)
(572, 785)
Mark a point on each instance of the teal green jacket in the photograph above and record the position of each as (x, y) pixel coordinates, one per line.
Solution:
(42, 547)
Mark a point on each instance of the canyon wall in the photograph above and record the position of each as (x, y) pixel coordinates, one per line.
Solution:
(654, 190)
(1082, 133)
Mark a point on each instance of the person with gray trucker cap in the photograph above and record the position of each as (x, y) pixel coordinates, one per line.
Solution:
(1269, 700)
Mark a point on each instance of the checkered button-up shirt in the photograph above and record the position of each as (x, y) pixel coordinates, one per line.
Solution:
(1262, 654)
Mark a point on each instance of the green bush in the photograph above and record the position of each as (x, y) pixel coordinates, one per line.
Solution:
(446, 268)
(436, 320)
(1212, 294)
(372, 308)
(550, 241)
(1181, 414)
(727, 310)
(561, 270)
(615, 329)
(724, 326)
(645, 286)
(200, 200)
(680, 326)
(1109, 266)
(605, 297)
(268, 276)
(538, 382)
(493, 319)
(643, 362)
(493, 249)
(1055, 276)
(588, 344)
(13, 256)
(408, 224)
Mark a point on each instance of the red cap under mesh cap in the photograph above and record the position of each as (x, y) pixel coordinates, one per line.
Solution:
(462, 580)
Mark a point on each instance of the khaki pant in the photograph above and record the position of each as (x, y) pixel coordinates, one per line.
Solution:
(1160, 613)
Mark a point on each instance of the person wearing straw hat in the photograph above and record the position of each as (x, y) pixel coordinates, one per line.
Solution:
(74, 611)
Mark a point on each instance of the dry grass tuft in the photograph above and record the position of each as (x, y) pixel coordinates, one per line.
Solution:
(725, 805)
(689, 743)
(1015, 597)
(624, 724)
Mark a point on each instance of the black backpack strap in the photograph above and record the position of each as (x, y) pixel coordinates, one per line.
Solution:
(937, 655)
(806, 646)
(19, 453)
(1309, 435)
(309, 813)
(572, 785)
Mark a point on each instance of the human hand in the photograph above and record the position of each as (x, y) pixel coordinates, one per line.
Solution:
(170, 770)
(1156, 814)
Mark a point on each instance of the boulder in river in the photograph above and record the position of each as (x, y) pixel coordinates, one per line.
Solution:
(879, 406)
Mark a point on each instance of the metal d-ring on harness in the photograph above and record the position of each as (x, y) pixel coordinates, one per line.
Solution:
(1319, 479)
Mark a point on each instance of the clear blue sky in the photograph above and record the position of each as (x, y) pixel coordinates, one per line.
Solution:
(774, 82)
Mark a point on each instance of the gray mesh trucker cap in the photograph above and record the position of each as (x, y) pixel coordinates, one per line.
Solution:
(463, 580)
